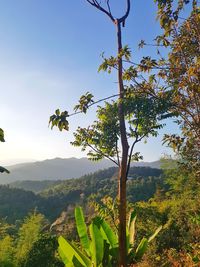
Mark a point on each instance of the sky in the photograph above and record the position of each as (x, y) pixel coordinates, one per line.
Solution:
(49, 55)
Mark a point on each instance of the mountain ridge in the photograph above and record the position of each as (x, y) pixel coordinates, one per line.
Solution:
(60, 169)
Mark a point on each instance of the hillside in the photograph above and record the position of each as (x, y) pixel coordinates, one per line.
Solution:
(17, 203)
(53, 169)
(59, 169)
(142, 180)
(34, 186)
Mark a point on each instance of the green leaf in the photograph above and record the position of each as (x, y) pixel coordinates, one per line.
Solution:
(132, 217)
(109, 234)
(2, 169)
(155, 233)
(82, 229)
(131, 227)
(76, 262)
(57, 112)
(96, 246)
(141, 249)
(70, 251)
(2, 135)
(106, 258)
(127, 241)
(111, 238)
(63, 257)
(141, 44)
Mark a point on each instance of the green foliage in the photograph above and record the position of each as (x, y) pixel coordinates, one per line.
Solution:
(177, 208)
(27, 246)
(59, 120)
(102, 248)
(147, 63)
(102, 136)
(7, 251)
(28, 235)
(145, 105)
(185, 82)
(142, 114)
(2, 169)
(42, 253)
(15, 204)
(34, 186)
(84, 103)
(82, 230)
(2, 135)
(168, 13)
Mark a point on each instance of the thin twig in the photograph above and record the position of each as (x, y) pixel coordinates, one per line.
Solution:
(93, 103)
(98, 151)
(98, 6)
(131, 151)
(123, 18)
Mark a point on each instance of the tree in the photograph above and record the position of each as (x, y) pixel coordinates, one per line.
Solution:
(7, 251)
(141, 103)
(42, 252)
(135, 115)
(28, 235)
(185, 82)
(103, 248)
(180, 73)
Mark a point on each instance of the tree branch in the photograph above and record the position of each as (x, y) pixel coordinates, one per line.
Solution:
(99, 7)
(94, 103)
(122, 19)
(131, 151)
(153, 67)
(98, 151)
(117, 151)
(108, 4)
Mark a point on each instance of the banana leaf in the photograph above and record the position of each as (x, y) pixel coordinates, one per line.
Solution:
(141, 249)
(70, 251)
(97, 245)
(131, 227)
(155, 233)
(82, 230)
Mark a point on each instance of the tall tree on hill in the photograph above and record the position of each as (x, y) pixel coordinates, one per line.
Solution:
(136, 114)
(185, 82)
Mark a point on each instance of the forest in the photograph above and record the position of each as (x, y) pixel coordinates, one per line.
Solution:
(121, 216)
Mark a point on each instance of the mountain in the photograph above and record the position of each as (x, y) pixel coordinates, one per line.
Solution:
(53, 197)
(59, 169)
(35, 186)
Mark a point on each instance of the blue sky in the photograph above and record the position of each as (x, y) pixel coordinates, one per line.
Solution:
(50, 51)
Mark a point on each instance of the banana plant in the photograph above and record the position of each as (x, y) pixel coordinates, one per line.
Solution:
(95, 249)
(101, 248)
(136, 254)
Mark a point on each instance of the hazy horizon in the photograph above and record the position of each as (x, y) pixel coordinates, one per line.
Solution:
(24, 161)
(43, 67)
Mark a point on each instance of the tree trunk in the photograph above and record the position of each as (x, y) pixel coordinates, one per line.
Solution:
(123, 166)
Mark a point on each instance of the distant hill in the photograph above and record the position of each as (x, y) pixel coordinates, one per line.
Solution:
(39, 186)
(57, 196)
(34, 186)
(59, 169)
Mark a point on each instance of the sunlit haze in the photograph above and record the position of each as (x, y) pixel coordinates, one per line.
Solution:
(50, 54)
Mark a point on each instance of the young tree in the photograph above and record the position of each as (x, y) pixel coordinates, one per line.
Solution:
(135, 115)
(28, 234)
(181, 72)
(7, 250)
(185, 82)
